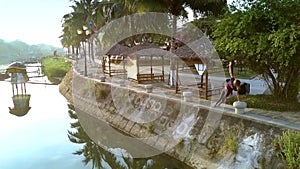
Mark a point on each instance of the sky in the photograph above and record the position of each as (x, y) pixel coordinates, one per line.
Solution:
(33, 21)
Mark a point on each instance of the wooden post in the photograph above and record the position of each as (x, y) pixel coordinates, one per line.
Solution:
(137, 68)
(25, 87)
(176, 85)
(163, 71)
(124, 70)
(17, 89)
(109, 66)
(151, 71)
(206, 84)
(103, 64)
(201, 81)
(13, 89)
(22, 88)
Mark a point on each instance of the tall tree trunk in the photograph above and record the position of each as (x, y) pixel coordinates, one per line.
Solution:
(290, 88)
(172, 80)
(287, 88)
(92, 50)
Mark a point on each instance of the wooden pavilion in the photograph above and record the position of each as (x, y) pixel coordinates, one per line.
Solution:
(145, 63)
(18, 76)
(113, 56)
(189, 57)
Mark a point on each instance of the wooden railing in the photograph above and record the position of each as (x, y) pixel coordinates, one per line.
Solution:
(148, 77)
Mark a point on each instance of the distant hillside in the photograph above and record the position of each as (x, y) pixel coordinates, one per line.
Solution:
(19, 51)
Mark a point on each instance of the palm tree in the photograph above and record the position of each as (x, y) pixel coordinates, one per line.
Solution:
(84, 13)
(100, 12)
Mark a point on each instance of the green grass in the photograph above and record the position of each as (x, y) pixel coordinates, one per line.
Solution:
(287, 147)
(230, 141)
(248, 74)
(55, 68)
(267, 102)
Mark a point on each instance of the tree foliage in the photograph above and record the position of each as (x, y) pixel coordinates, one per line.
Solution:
(100, 12)
(266, 35)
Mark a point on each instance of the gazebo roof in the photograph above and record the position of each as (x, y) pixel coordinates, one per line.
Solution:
(134, 49)
(196, 53)
(19, 111)
(187, 54)
(16, 67)
(153, 52)
(117, 49)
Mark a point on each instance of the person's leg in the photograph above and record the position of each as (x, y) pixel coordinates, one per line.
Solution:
(222, 97)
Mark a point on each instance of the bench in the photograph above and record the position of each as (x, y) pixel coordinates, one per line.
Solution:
(146, 77)
(203, 92)
(115, 72)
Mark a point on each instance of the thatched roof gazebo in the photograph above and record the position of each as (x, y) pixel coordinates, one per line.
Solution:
(188, 56)
(18, 75)
(142, 46)
(117, 50)
(16, 67)
(141, 60)
(113, 55)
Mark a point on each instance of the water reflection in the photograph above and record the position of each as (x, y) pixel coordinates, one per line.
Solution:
(21, 105)
(112, 158)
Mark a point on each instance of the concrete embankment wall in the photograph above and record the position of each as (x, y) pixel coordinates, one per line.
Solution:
(195, 134)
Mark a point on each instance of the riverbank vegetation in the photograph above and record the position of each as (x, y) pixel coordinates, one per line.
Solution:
(287, 148)
(55, 68)
(271, 50)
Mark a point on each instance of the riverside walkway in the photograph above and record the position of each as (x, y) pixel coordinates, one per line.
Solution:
(290, 120)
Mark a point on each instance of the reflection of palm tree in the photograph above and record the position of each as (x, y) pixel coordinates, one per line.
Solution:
(102, 158)
(91, 151)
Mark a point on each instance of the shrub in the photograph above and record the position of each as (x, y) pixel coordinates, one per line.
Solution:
(180, 144)
(55, 68)
(101, 93)
(230, 141)
(288, 148)
(150, 127)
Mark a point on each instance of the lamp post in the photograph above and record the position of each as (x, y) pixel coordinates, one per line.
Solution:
(91, 32)
(87, 32)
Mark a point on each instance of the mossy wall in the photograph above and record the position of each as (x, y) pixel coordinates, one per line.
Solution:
(200, 137)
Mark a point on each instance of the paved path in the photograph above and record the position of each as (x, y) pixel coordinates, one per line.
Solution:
(257, 86)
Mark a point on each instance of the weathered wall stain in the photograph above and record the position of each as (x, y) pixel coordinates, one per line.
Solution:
(182, 130)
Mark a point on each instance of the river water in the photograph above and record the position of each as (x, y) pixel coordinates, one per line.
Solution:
(49, 136)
